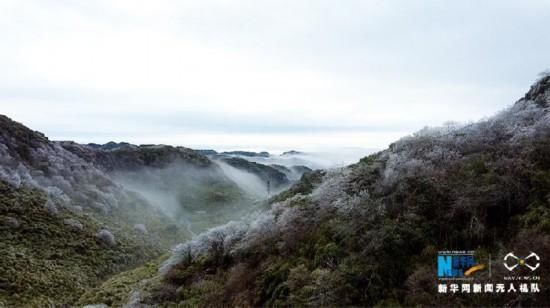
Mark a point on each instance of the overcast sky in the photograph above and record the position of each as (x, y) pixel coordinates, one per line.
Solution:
(264, 74)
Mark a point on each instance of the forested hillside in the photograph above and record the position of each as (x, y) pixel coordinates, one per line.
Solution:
(73, 215)
(369, 233)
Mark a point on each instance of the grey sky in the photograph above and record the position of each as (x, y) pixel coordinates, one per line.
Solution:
(264, 74)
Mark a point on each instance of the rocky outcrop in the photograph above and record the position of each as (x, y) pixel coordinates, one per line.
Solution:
(540, 91)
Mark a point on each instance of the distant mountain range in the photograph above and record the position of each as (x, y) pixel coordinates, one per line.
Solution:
(261, 165)
(235, 153)
(84, 212)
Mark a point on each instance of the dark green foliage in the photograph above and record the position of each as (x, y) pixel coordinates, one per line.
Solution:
(45, 261)
(276, 178)
(210, 195)
(116, 291)
(304, 186)
(486, 189)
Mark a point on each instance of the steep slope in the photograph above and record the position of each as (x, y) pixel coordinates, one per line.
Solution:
(262, 165)
(293, 173)
(65, 225)
(185, 184)
(53, 259)
(276, 179)
(369, 234)
(29, 158)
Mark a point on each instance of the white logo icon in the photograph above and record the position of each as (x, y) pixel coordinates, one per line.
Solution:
(521, 261)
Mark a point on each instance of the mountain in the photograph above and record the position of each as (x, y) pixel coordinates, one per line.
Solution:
(278, 176)
(246, 153)
(110, 145)
(233, 153)
(291, 152)
(65, 225)
(189, 186)
(71, 214)
(293, 173)
(124, 156)
(207, 152)
(276, 179)
(91, 224)
(368, 234)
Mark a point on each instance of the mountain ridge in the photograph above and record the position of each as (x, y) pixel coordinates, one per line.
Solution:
(365, 234)
(368, 234)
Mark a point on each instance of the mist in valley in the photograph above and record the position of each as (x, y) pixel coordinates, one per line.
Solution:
(248, 182)
(316, 159)
(200, 198)
(197, 198)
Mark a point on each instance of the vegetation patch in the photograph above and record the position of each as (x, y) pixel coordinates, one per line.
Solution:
(47, 260)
